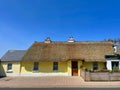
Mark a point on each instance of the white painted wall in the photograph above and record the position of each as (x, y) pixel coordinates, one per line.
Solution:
(109, 65)
(119, 65)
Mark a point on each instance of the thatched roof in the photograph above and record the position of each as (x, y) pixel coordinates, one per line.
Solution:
(62, 51)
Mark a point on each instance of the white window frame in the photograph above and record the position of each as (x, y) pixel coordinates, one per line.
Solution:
(109, 63)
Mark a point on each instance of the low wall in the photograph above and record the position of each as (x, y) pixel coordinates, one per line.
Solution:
(82, 74)
(100, 76)
(85, 75)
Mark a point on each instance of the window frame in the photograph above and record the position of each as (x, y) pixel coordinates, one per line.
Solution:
(36, 66)
(9, 68)
(55, 66)
(95, 65)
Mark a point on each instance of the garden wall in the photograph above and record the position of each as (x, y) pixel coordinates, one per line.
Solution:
(100, 76)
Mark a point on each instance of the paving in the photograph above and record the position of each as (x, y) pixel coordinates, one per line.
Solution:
(58, 81)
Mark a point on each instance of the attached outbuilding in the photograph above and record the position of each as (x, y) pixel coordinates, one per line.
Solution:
(10, 63)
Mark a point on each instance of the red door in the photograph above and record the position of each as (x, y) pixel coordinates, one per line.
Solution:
(74, 68)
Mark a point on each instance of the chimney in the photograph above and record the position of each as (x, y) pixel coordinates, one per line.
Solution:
(48, 40)
(71, 39)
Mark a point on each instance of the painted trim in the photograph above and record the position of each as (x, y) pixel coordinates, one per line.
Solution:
(109, 66)
(109, 63)
(46, 74)
(112, 60)
(36, 74)
(10, 74)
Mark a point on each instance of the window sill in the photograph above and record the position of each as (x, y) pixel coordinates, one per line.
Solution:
(9, 71)
(55, 70)
(35, 71)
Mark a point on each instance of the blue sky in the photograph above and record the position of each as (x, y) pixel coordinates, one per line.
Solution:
(24, 21)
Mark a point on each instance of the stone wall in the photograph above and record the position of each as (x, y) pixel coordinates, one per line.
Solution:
(85, 75)
(100, 76)
(82, 74)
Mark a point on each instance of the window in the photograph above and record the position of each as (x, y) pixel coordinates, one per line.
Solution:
(36, 64)
(9, 67)
(115, 65)
(55, 66)
(95, 65)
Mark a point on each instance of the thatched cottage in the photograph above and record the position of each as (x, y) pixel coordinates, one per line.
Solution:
(50, 58)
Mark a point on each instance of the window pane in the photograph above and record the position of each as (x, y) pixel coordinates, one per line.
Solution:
(55, 66)
(9, 66)
(36, 64)
(95, 65)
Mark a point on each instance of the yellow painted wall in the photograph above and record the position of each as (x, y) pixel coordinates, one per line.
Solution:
(15, 66)
(1, 68)
(69, 68)
(44, 67)
(47, 67)
(26, 67)
(62, 66)
(79, 65)
(101, 65)
(89, 65)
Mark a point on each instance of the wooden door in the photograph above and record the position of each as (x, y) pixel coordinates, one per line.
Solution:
(74, 68)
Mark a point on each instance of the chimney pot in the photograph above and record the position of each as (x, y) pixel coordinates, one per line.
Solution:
(71, 39)
(47, 40)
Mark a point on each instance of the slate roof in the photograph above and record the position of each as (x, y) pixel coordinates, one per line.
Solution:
(13, 55)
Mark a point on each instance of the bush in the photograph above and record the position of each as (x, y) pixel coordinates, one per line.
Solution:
(104, 70)
(115, 70)
(101, 70)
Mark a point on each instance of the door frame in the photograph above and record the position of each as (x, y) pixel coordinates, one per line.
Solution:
(74, 68)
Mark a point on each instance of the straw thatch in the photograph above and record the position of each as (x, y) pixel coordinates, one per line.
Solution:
(62, 51)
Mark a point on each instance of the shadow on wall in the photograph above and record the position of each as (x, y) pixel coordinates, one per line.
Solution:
(2, 71)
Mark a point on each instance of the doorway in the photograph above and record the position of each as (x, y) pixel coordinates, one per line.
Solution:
(74, 68)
